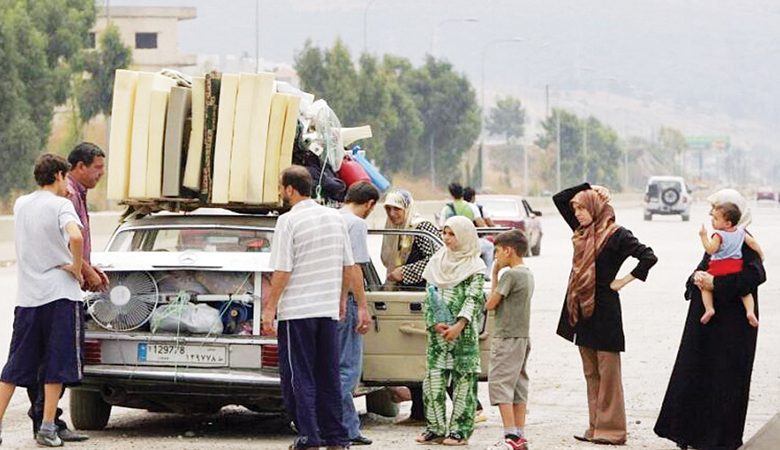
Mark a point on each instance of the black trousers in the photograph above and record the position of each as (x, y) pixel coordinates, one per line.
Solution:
(309, 356)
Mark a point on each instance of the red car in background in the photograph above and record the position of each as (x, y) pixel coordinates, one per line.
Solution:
(515, 212)
(765, 193)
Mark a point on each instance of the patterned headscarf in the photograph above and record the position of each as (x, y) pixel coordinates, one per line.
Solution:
(446, 267)
(588, 242)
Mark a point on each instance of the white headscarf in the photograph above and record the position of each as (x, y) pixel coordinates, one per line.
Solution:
(395, 248)
(732, 196)
(448, 267)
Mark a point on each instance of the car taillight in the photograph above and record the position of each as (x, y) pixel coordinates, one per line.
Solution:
(92, 352)
(269, 356)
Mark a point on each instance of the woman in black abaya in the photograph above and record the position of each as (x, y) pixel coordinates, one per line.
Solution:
(707, 397)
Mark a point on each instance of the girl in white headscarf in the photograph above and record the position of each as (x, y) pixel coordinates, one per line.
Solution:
(455, 276)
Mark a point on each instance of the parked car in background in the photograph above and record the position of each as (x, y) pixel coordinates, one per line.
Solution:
(514, 211)
(667, 195)
(766, 193)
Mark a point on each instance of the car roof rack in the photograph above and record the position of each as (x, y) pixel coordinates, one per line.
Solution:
(138, 208)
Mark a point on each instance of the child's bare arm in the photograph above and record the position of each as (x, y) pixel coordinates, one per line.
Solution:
(710, 245)
(753, 243)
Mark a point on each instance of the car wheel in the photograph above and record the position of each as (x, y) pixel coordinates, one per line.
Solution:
(380, 402)
(686, 217)
(648, 216)
(537, 249)
(670, 196)
(88, 410)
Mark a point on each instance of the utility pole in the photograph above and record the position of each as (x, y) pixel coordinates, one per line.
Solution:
(558, 158)
(433, 164)
(257, 36)
(585, 152)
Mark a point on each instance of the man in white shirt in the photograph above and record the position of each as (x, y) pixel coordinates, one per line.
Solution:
(48, 319)
(311, 258)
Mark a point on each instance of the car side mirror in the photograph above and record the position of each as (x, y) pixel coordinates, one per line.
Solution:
(537, 213)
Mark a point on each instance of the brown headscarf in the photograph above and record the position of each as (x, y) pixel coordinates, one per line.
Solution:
(588, 242)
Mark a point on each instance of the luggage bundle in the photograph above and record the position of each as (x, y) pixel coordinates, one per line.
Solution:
(218, 140)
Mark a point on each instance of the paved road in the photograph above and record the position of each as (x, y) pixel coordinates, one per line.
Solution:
(653, 314)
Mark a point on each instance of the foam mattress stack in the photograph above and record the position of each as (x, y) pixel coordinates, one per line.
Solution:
(224, 140)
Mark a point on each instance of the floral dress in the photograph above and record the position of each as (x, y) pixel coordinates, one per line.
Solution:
(457, 361)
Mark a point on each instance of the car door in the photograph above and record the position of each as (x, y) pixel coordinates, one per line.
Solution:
(394, 348)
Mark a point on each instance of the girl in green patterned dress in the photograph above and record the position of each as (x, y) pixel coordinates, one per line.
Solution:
(453, 313)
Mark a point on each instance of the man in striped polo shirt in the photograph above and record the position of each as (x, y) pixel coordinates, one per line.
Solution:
(310, 255)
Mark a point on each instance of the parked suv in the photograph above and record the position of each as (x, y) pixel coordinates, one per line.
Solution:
(667, 195)
(185, 269)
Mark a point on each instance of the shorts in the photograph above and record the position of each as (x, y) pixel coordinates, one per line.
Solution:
(507, 377)
(726, 266)
(47, 345)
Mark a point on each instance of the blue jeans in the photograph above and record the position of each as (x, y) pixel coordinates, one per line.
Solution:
(350, 366)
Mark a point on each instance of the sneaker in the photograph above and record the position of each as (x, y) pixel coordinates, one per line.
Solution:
(520, 443)
(510, 444)
(48, 439)
(68, 435)
(361, 440)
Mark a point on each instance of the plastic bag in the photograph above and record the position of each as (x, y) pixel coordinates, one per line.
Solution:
(182, 315)
(441, 313)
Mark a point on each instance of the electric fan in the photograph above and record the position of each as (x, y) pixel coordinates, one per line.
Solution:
(326, 139)
(128, 304)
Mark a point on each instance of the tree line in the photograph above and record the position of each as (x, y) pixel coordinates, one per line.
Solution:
(44, 64)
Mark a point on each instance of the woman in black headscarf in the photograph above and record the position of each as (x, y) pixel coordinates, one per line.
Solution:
(707, 398)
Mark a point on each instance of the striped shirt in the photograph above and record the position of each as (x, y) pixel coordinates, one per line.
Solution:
(311, 242)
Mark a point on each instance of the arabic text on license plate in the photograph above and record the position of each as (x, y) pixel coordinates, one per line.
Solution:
(194, 355)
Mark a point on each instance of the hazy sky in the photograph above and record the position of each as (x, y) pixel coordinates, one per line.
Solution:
(699, 56)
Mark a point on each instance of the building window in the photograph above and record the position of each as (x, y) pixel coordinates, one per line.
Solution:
(146, 40)
(91, 40)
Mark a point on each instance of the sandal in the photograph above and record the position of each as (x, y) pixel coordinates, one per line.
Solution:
(455, 438)
(429, 437)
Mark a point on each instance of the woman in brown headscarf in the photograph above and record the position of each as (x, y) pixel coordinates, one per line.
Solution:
(591, 316)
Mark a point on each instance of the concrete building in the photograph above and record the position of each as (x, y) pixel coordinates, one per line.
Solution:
(151, 33)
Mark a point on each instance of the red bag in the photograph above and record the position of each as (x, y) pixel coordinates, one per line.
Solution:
(351, 172)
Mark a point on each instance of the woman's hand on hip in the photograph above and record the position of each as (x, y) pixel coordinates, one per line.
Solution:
(619, 283)
(703, 280)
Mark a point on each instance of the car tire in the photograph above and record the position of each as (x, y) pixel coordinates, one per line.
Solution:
(685, 217)
(380, 402)
(670, 196)
(648, 216)
(88, 410)
(537, 249)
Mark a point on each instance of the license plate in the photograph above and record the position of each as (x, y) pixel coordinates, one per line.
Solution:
(191, 355)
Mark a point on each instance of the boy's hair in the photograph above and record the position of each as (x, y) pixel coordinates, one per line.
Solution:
(299, 178)
(514, 239)
(456, 190)
(85, 152)
(730, 212)
(469, 194)
(361, 193)
(47, 166)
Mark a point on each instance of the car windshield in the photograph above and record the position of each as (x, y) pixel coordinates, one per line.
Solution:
(500, 208)
(179, 239)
